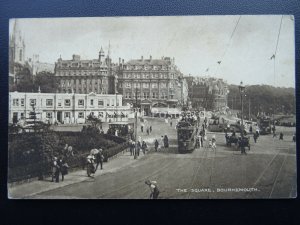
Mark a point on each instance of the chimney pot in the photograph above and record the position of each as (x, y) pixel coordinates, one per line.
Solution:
(150, 57)
(142, 58)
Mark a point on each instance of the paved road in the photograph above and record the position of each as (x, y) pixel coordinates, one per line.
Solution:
(267, 171)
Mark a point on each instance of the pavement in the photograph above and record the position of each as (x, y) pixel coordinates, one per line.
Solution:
(26, 190)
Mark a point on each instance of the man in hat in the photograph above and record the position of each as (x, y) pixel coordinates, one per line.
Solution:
(55, 170)
(153, 188)
(99, 159)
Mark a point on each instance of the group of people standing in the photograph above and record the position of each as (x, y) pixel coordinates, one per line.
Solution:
(59, 166)
(163, 142)
(136, 147)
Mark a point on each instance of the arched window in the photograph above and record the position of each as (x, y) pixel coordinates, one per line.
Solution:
(20, 55)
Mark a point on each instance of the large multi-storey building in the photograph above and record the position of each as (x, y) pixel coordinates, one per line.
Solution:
(85, 76)
(67, 107)
(207, 92)
(151, 82)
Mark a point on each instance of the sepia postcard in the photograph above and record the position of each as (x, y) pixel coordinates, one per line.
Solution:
(161, 107)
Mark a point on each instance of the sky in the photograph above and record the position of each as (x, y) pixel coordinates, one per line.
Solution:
(244, 44)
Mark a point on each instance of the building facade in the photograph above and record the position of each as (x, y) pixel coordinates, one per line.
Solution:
(37, 66)
(85, 76)
(67, 108)
(207, 92)
(150, 83)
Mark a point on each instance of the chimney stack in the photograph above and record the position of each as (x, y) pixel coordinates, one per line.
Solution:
(119, 60)
(150, 57)
(122, 61)
(142, 58)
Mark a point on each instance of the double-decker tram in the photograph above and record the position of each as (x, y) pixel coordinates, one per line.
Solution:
(186, 135)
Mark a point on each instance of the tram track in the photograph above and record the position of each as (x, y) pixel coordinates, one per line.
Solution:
(258, 180)
(132, 185)
(202, 159)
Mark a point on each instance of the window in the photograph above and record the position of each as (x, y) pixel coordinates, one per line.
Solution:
(80, 102)
(128, 85)
(100, 114)
(20, 55)
(108, 102)
(146, 95)
(80, 115)
(32, 102)
(100, 103)
(15, 102)
(166, 76)
(59, 103)
(163, 85)
(147, 75)
(136, 85)
(92, 102)
(49, 102)
(67, 102)
(138, 76)
(145, 85)
(154, 94)
(163, 95)
(154, 85)
(22, 101)
(67, 114)
(112, 102)
(128, 95)
(171, 85)
(49, 115)
(22, 116)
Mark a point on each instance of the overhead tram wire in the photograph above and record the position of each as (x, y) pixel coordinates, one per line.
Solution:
(228, 44)
(274, 58)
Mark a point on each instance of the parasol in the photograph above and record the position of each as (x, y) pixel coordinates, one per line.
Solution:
(94, 151)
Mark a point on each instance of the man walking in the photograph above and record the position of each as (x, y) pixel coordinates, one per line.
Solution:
(156, 145)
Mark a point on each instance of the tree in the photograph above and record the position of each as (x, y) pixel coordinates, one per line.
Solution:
(95, 121)
(46, 81)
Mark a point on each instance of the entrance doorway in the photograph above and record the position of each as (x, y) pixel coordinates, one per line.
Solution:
(59, 117)
(15, 117)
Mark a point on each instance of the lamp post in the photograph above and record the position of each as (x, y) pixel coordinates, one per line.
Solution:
(242, 90)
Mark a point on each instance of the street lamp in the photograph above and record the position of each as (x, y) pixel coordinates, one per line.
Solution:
(242, 90)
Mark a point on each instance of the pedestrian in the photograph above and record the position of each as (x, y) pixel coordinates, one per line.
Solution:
(171, 123)
(166, 141)
(138, 148)
(130, 147)
(99, 159)
(197, 142)
(250, 129)
(255, 136)
(150, 128)
(281, 136)
(154, 191)
(294, 137)
(214, 142)
(161, 143)
(63, 167)
(242, 146)
(148, 131)
(55, 170)
(144, 147)
(156, 145)
(142, 128)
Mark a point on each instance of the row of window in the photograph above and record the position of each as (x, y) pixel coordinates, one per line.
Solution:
(80, 73)
(146, 95)
(146, 67)
(67, 102)
(147, 75)
(146, 85)
(82, 81)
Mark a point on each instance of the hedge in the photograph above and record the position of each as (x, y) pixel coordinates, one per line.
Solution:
(30, 154)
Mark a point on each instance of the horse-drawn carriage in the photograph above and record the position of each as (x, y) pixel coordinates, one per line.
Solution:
(237, 141)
